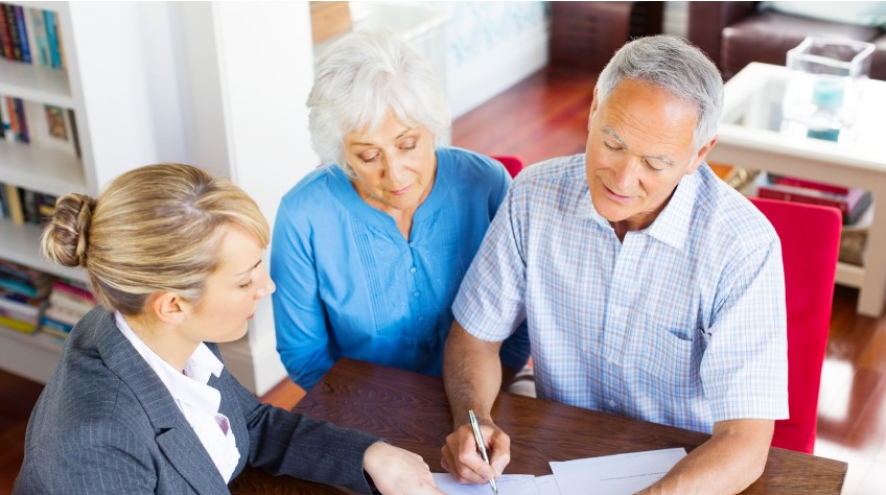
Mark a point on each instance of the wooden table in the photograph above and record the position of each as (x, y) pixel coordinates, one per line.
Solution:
(411, 411)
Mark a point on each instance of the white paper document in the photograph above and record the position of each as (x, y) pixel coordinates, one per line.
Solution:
(508, 484)
(546, 485)
(621, 474)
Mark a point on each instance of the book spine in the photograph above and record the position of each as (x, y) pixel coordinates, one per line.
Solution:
(14, 38)
(5, 38)
(5, 119)
(808, 184)
(49, 22)
(61, 42)
(4, 206)
(17, 325)
(9, 115)
(24, 135)
(32, 36)
(22, 33)
(858, 208)
(15, 205)
(75, 137)
(73, 292)
(766, 192)
(44, 54)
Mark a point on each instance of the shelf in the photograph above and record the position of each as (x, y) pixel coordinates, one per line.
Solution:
(35, 83)
(32, 356)
(39, 169)
(21, 244)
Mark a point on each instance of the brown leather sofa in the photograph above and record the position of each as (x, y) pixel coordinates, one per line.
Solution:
(735, 34)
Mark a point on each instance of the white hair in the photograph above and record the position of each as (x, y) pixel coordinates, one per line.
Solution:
(676, 66)
(362, 78)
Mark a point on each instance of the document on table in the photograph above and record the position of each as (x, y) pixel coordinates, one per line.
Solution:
(620, 474)
(546, 485)
(508, 484)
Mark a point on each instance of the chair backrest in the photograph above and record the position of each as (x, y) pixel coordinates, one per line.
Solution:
(513, 164)
(810, 242)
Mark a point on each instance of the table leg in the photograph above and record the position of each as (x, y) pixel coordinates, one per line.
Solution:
(872, 292)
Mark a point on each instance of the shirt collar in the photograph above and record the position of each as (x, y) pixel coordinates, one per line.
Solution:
(190, 387)
(672, 224)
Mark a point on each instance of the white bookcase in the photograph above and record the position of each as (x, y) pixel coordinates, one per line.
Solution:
(219, 85)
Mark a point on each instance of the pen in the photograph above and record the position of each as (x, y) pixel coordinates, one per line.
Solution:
(481, 445)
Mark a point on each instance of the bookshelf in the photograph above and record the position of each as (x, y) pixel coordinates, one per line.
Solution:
(109, 120)
(218, 85)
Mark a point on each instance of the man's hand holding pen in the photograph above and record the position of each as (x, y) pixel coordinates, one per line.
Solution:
(462, 458)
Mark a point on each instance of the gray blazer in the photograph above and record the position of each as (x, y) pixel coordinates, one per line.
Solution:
(106, 424)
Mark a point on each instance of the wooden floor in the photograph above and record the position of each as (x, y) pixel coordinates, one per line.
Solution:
(546, 116)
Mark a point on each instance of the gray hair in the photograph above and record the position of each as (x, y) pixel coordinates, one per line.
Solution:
(360, 79)
(676, 66)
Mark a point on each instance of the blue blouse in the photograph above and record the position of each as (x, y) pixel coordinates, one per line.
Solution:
(349, 284)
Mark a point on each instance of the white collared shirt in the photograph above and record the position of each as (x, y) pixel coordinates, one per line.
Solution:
(681, 323)
(195, 398)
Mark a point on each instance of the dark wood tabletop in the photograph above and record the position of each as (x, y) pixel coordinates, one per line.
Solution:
(411, 411)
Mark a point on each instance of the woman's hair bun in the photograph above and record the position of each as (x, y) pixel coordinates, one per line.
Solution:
(66, 237)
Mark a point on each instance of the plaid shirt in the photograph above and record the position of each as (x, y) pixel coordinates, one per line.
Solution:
(682, 323)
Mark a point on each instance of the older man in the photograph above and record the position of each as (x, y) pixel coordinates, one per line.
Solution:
(651, 288)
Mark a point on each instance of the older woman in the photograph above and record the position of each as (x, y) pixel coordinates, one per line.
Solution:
(139, 403)
(369, 250)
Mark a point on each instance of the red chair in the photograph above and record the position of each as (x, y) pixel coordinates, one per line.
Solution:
(513, 164)
(810, 241)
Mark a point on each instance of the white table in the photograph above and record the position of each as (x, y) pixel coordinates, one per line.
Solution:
(752, 136)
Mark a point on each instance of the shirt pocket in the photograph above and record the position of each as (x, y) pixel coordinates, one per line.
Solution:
(667, 363)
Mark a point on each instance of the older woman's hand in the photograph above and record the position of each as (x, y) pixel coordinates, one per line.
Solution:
(398, 472)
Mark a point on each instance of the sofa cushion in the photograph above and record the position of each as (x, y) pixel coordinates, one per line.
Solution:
(869, 14)
(766, 37)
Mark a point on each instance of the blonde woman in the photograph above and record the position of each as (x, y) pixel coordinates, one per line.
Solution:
(140, 401)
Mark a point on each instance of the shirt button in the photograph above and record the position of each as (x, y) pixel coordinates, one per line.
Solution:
(611, 403)
(421, 318)
(416, 294)
(412, 270)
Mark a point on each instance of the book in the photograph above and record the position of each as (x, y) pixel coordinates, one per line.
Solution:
(41, 39)
(808, 184)
(5, 39)
(851, 205)
(52, 35)
(14, 204)
(62, 300)
(12, 26)
(17, 325)
(23, 33)
(53, 327)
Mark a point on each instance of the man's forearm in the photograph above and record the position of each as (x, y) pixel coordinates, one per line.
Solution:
(472, 374)
(732, 459)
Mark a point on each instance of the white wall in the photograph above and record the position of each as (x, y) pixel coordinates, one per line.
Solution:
(245, 70)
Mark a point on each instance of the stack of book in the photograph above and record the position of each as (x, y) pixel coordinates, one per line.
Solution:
(31, 36)
(23, 294)
(851, 201)
(68, 302)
